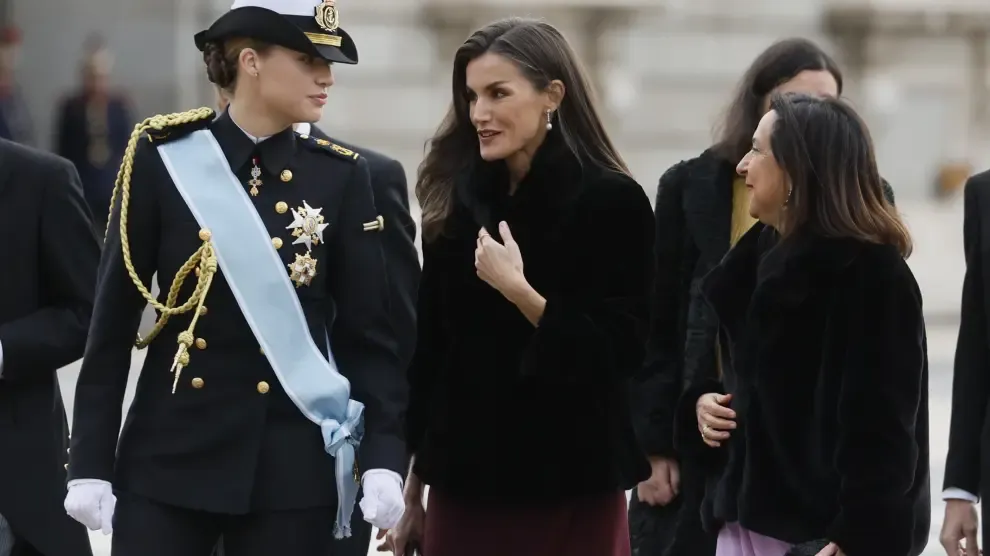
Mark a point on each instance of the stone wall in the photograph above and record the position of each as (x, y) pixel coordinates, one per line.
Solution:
(664, 71)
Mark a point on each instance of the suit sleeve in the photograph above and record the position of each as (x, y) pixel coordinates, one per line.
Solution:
(654, 391)
(881, 393)
(363, 338)
(55, 335)
(116, 317)
(970, 381)
(593, 330)
(401, 257)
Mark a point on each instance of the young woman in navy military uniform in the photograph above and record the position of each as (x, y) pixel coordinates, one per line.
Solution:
(272, 383)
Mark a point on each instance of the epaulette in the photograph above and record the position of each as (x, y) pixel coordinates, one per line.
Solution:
(169, 127)
(328, 147)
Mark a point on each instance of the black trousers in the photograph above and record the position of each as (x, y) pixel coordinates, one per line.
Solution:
(355, 545)
(143, 527)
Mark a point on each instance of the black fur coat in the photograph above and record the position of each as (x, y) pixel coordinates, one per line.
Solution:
(504, 411)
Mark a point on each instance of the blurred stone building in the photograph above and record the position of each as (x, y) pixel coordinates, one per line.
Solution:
(917, 69)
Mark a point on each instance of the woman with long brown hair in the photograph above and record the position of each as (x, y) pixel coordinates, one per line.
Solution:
(537, 248)
(821, 416)
(702, 209)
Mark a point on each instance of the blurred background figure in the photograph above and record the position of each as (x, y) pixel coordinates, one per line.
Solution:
(15, 119)
(93, 126)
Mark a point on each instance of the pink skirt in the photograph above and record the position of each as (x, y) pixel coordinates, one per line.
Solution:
(733, 540)
(595, 526)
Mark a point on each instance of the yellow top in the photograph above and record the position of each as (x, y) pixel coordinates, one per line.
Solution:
(741, 220)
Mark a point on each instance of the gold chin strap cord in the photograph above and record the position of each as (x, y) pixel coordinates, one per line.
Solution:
(204, 260)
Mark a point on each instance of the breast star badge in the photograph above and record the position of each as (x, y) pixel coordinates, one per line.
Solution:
(307, 226)
(303, 270)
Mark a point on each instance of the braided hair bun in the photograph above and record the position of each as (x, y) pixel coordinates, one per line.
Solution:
(219, 69)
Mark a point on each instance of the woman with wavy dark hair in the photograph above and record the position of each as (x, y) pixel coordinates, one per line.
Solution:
(272, 389)
(821, 416)
(701, 212)
(537, 248)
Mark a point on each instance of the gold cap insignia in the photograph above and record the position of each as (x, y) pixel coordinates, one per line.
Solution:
(326, 16)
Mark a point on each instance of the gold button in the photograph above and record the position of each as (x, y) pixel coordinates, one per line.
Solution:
(277, 242)
(197, 383)
(200, 343)
(286, 175)
(202, 311)
(197, 271)
(261, 351)
(303, 136)
(281, 207)
(205, 234)
(263, 387)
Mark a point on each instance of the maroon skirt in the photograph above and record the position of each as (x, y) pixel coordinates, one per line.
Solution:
(594, 526)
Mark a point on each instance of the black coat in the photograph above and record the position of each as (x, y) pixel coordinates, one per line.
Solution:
(230, 440)
(693, 211)
(968, 464)
(504, 412)
(47, 278)
(826, 358)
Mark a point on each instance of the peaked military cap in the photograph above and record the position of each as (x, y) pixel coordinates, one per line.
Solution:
(309, 26)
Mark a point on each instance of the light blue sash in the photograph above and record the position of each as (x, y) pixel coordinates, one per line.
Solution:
(259, 281)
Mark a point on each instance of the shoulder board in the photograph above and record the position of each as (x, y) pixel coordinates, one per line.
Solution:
(328, 146)
(169, 127)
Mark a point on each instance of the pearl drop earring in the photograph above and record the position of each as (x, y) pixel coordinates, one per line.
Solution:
(549, 123)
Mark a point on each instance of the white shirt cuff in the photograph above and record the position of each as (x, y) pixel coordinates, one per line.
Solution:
(392, 474)
(1, 359)
(959, 494)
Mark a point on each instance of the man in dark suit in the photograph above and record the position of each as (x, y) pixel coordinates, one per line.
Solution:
(967, 467)
(47, 278)
(94, 125)
(388, 182)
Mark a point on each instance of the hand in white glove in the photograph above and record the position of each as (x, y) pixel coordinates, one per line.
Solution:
(382, 503)
(91, 502)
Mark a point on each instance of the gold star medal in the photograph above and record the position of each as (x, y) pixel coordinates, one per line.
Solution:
(307, 226)
(303, 270)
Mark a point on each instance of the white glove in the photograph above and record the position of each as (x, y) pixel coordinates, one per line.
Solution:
(382, 503)
(91, 502)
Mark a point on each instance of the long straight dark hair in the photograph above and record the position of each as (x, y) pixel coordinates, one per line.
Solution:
(778, 64)
(542, 55)
(825, 150)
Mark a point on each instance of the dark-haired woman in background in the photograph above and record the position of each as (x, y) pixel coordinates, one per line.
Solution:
(821, 415)
(268, 363)
(702, 209)
(533, 306)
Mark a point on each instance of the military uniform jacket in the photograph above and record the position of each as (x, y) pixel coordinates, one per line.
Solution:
(229, 440)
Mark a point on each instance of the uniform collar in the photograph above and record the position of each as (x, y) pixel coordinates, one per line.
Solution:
(304, 128)
(239, 146)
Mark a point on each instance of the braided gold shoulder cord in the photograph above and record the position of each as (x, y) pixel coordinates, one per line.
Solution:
(203, 257)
